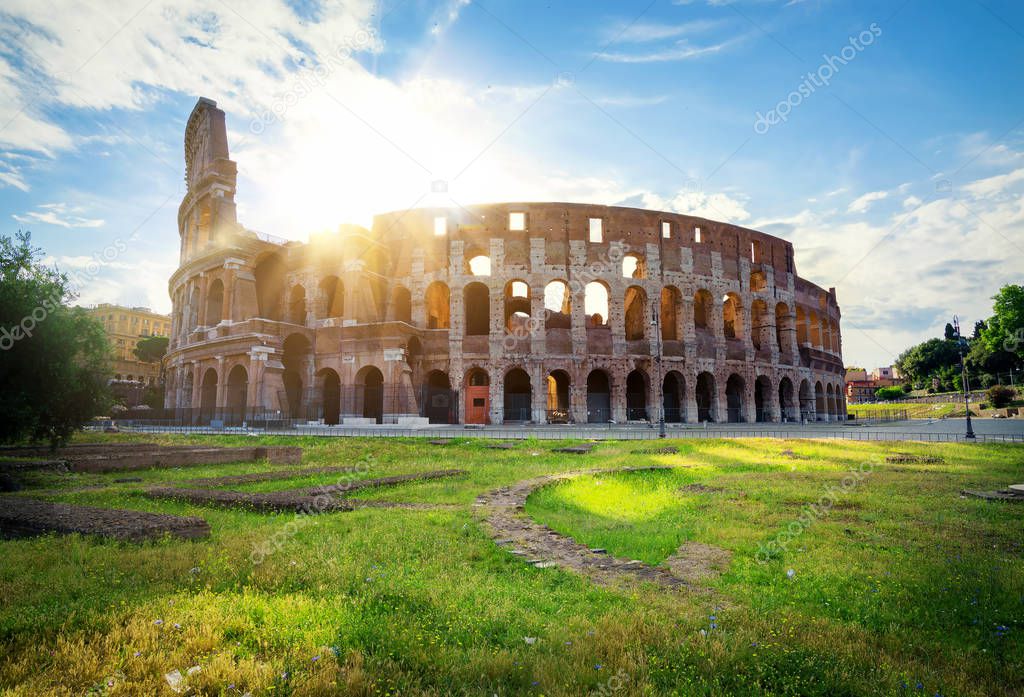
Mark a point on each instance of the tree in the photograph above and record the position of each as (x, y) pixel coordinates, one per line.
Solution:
(950, 332)
(888, 394)
(922, 362)
(54, 359)
(1004, 331)
(151, 349)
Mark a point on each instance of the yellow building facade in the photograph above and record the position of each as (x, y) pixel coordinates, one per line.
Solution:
(126, 326)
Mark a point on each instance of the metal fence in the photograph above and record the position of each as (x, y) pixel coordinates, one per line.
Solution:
(598, 432)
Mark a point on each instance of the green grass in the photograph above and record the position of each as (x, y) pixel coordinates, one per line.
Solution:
(915, 410)
(902, 582)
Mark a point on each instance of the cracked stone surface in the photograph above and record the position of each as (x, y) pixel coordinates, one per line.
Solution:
(504, 517)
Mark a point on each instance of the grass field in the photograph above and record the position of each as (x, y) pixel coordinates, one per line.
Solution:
(915, 410)
(901, 588)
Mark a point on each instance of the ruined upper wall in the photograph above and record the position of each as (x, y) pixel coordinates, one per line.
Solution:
(560, 223)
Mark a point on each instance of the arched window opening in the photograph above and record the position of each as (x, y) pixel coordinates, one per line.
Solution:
(437, 306)
(477, 303)
(215, 303)
(636, 313)
(634, 266)
(517, 306)
(595, 304)
(557, 306)
(558, 384)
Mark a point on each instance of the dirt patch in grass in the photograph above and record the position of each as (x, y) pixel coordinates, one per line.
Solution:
(664, 450)
(20, 517)
(696, 562)
(322, 499)
(701, 489)
(905, 459)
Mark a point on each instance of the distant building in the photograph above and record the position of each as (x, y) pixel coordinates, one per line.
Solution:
(861, 385)
(125, 326)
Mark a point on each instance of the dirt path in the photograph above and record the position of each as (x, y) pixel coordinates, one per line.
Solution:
(504, 517)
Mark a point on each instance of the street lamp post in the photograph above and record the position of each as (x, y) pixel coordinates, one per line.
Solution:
(963, 373)
(657, 340)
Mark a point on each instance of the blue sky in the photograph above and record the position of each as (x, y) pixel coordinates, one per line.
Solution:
(899, 179)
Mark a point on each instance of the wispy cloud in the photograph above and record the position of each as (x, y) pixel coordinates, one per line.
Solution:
(681, 51)
(862, 203)
(59, 214)
(640, 32)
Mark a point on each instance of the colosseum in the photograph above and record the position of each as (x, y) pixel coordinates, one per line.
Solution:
(500, 313)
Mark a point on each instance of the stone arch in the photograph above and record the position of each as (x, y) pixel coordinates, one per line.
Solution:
(634, 266)
(637, 389)
(758, 281)
(215, 303)
(208, 396)
(760, 326)
(670, 314)
(518, 396)
(557, 305)
(236, 394)
(270, 276)
(332, 296)
(830, 399)
(596, 298)
(673, 397)
(635, 316)
(826, 334)
(437, 306)
(815, 327)
(330, 396)
(801, 326)
(787, 409)
(703, 306)
(559, 385)
(764, 410)
(735, 398)
(599, 396)
(401, 304)
(296, 354)
(438, 403)
(806, 400)
(370, 393)
(477, 303)
(707, 403)
(732, 316)
(478, 265)
(820, 407)
(297, 305)
(783, 327)
(517, 306)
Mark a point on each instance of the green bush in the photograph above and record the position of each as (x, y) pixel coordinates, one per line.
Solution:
(1000, 396)
(888, 394)
(907, 388)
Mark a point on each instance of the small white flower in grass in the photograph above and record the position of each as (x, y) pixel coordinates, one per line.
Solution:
(791, 573)
(193, 670)
(194, 570)
(531, 640)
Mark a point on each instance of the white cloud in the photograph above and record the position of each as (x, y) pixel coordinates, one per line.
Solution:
(682, 50)
(59, 214)
(639, 32)
(994, 185)
(717, 206)
(861, 204)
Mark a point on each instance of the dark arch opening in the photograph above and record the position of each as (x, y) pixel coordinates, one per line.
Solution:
(673, 391)
(477, 303)
(518, 395)
(734, 393)
(331, 397)
(236, 397)
(636, 396)
(599, 397)
(705, 397)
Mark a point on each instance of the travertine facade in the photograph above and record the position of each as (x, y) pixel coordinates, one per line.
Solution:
(586, 313)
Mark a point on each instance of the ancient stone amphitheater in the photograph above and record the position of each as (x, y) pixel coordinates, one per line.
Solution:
(498, 313)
